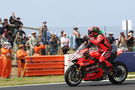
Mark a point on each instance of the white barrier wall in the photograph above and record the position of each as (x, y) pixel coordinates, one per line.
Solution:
(67, 61)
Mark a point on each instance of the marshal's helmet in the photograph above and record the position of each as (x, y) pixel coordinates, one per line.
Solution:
(21, 45)
(94, 31)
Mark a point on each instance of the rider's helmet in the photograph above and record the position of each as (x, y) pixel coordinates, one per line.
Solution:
(94, 31)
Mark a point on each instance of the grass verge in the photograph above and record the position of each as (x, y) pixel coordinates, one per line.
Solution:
(131, 73)
(14, 81)
(31, 80)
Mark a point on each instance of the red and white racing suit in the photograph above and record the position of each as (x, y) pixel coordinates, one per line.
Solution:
(104, 48)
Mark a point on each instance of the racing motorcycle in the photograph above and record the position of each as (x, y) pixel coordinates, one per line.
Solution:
(86, 66)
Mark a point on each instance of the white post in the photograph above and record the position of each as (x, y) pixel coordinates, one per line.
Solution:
(67, 61)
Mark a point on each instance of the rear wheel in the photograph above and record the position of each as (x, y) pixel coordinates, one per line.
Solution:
(120, 73)
(73, 75)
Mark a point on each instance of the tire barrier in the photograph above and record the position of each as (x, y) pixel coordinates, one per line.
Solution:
(44, 65)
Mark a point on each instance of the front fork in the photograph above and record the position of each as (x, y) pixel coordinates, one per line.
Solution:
(79, 69)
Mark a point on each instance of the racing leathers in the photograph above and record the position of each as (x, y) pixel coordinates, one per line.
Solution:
(104, 48)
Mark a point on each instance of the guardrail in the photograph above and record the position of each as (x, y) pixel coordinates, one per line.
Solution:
(44, 65)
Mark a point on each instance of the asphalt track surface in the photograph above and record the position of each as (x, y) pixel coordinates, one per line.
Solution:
(96, 85)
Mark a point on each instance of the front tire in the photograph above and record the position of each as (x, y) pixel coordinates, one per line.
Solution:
(120, 73)
(73, 75)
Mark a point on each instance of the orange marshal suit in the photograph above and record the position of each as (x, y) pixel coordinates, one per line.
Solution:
(21, 54)
(6, 62)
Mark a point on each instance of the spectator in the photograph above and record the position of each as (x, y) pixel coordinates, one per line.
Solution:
(54, 43)
(60, 35)
(6, 54)
(85, 38)
(78, 41)
(6, 38)
(111, 38)
(6, 28)
(62, 32)
(71, 41)
(12, 19)
(48, 42)
(21, 32)
(40, 38)
(24, 40)
(27, 44)
(21, 54)
(0, 22)
(11, 40)
(65, 44)
(17, 42)
(75, 33)
(41, 42)
(5, 24)
(45, 36)
(130, 41)
(44, 32)
(33, 41)
(44, 26)
(3, 39)
(122, 41)
(1, 29)
(18, 23)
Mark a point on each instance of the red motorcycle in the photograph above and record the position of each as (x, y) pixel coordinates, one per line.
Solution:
(85, 66)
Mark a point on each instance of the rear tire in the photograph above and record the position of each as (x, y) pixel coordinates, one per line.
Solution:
(73, 76)
(120, 73)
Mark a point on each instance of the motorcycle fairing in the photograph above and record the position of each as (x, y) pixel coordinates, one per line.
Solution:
(94, 74)
(85, 62)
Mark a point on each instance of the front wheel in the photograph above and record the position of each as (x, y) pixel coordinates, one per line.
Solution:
(120, 73)
(73, 75)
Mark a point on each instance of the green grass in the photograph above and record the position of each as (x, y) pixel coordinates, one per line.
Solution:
(131, 77)
(131, 73)
(14, 81)
(31, 80)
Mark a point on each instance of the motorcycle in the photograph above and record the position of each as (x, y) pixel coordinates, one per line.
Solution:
(86, 66)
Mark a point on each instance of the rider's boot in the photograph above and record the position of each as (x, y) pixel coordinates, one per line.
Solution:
(107, 69)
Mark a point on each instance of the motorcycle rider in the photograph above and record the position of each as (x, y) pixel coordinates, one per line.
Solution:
(104, 47)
